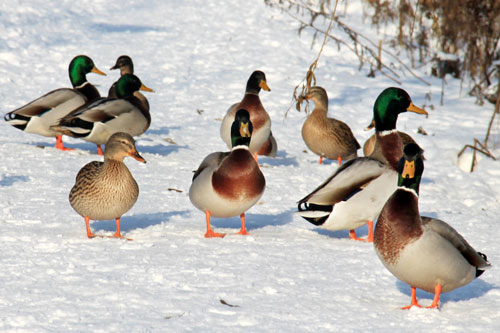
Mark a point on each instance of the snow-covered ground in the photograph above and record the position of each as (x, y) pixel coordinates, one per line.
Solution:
(288, 276)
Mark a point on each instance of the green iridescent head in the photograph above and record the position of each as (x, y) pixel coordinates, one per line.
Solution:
(241, 129)
(79, 67)
(411, 167)
(389, 104)
(128, 84)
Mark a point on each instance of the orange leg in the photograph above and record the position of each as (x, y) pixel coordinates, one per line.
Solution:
(369, 239)
(90, 234)
(243, 230)
(413, 300)
(321, 160)
(437, 294)
(210, 233)
(339, 159)
(99, 150)
(60, 144)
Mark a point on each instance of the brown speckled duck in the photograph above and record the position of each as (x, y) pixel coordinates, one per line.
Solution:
(258, 116)
(39, 115)
(424, 252)
(228, 184)
(106, 190)
(327, 137)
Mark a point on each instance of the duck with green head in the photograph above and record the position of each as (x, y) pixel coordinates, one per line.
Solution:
(263, 142)
(227, 184)
(354, 195)
(424, 252)
(39, 115)
(99, 120)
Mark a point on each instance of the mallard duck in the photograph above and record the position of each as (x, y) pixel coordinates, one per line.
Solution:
(97, 121)
(424, 252)
(354, 195)
(372, 148)
(258, 116)
(106, 190)
(126, 66)
(39, 115)
(228, 184)
(327, 137)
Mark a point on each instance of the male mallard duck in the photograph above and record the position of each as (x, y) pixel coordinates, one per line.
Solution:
(258, 116)
(372, 148)
(106, 190)
(39, 115)
(327, 137)
(356, 192)
(97, 121)
(126, 66)
(228, 184)
(423, 252)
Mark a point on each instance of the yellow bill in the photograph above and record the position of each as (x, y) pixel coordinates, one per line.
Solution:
(416, 109)
(409, 169)
(97, 71)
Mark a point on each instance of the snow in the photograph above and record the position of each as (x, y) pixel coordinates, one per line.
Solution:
(288, 276)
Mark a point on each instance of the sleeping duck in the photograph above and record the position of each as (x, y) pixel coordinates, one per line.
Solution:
(424, 252)
(99, 120)
(106, 190)
(259, 117)
(327, 137)
(228, 184)
(354, 195)
(39, 115)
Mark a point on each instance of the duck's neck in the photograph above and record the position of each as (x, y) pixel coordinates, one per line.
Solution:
(391, 145)
(399, 224)
(320, 106)
(89, 91)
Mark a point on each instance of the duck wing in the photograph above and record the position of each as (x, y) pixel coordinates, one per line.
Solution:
(446, 231)
(349, 179)
(212, 160)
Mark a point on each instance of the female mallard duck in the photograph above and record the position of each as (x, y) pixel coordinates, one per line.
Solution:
(97, 121)
(228, 184)
(372, 148)
(423, 252)
(258, 116)
(126, 66)
(355, 193)
(327, 137)
(106, 190)
(39, 115)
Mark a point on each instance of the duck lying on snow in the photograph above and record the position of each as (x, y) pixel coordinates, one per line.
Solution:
(423, 252)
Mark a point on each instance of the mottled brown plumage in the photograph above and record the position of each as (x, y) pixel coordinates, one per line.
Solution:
(106, 190)
(327, 137)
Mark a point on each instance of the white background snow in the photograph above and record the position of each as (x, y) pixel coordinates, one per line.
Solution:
(288, 276)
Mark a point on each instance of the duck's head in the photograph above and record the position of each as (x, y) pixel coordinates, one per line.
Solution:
(121, 145)
(125, 64)
(318, 95)
(241, 129)
(128, 84)
(79, 67)
(256, 82)
(389, 104)
(411, 167)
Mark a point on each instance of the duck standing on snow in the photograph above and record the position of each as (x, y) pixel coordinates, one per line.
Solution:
(327, 137)
(228, 184)
(263, 142)
(39, 115)
(354, 195)
(423, 252)
(99, 120)
(106, 190)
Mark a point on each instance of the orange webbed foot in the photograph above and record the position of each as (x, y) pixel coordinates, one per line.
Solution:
(212, 234)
